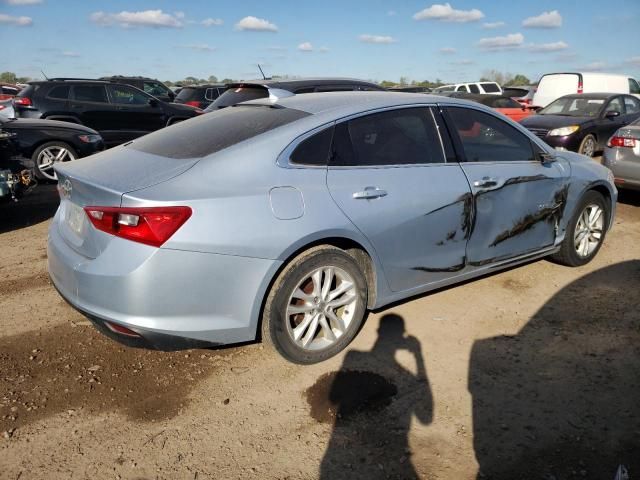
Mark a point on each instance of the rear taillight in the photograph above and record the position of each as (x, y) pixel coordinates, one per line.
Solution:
(150, 225)
(194, 103)
(580, 89)
(621, 142)
(22, 101)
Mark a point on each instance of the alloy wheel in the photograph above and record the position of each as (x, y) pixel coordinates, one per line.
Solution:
(589, 229)
(49, 156)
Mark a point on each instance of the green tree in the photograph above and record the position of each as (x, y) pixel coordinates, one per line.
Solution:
(518, 80)
(213, 79)
(8, 77)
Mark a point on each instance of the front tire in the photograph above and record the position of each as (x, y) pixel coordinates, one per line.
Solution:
(588, 146)
(47, 155)
(585, 232)
(316, 306)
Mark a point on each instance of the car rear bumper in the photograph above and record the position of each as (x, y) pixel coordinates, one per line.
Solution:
(168, 297)
(624, 163)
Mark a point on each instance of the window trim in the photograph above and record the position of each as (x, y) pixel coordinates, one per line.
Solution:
(536, 147)
(284, 159)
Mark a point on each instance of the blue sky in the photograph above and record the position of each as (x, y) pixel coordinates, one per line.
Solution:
(370, 39)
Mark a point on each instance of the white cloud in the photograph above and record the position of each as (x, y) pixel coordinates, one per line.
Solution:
(490, 25)
(212, 22)
(551, 19)
(23, 2)
(69, 53)
(548, 47)
(635, 61)
(200, 47)
(376, 39)
(19, 21)
(305, 47)
(513, 40)
(446, 13)
(464, 61)
(447, 50)
(179, 15)
(256, 25)
(323, 49)
(146, 18)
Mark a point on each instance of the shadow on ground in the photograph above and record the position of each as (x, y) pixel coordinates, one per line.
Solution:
(37, 206)
(561, 399)
(371, 401)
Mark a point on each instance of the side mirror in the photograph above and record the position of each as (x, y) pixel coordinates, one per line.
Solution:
(545, 157)
(153, 102)
(612, 114)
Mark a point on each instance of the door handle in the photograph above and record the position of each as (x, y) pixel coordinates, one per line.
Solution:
(486, 182)
(370, 192)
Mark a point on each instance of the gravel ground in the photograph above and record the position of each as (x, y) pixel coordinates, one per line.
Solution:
(532, 373)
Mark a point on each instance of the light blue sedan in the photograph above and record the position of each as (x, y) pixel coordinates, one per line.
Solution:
(287, 219)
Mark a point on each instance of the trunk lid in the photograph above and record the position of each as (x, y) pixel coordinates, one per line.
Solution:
(102, 180)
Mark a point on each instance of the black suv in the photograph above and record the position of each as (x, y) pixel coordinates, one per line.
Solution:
(200, 96)
(254, 89)
(118, 112)
(148, 85)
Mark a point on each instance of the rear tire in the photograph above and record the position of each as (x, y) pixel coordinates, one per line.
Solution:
(585, 232)
(316, 306)
(49, 154)
(588, 146)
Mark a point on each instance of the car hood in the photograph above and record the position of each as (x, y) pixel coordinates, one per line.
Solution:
(26, 123)
(553, 121)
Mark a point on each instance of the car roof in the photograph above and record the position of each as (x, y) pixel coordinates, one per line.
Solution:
(347, 103)
(594, 96)
(207, 85)
(302, 82)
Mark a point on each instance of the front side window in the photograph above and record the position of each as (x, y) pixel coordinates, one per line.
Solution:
(154, 88)
(615, 105)
(474, 88)
(127, 96)
(486, 138)
(633, 86)
(397, 137)
(90, 93)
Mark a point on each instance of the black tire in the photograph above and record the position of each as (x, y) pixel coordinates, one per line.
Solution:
(568, 255)
(54, 144)
(276, 324)
(588, 146)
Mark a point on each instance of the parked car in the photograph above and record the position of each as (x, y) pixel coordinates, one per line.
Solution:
(288, 223)
(255, 89)
(49, 142)
(472, 87)
(6, 109)
(622, 156)
(555, 85)
(503, 104)
(523, 95)
(200, 96)
(151, 86)
(8, 90)
(583, 122)
(118, 112)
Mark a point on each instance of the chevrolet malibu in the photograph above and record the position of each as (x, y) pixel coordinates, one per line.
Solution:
(287, 219)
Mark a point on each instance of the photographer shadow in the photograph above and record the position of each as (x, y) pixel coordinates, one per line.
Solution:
(374, 398)
(561, 398)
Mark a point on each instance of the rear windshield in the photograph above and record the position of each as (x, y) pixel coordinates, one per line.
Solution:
(186, 94)
(235, 95)
(212, 132)
(490, 87)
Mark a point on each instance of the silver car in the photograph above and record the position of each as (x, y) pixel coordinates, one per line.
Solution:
(622, 156)
(288, 219)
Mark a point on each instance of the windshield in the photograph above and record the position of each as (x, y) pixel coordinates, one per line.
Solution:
(574, 107)
(235, 95)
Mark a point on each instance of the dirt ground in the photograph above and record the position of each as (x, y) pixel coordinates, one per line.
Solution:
(532, 373)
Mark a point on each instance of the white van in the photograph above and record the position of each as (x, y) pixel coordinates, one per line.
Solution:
(472, 87)
(555, 85)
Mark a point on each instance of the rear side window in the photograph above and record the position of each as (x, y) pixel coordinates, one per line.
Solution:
(486, 138)
(216, 131)
(90, 93)
(211, 94)
(314, 150)
(474, 88)
(633, 86)
(632, 104)
(490, 87)
(60, 92)
(398, 137)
